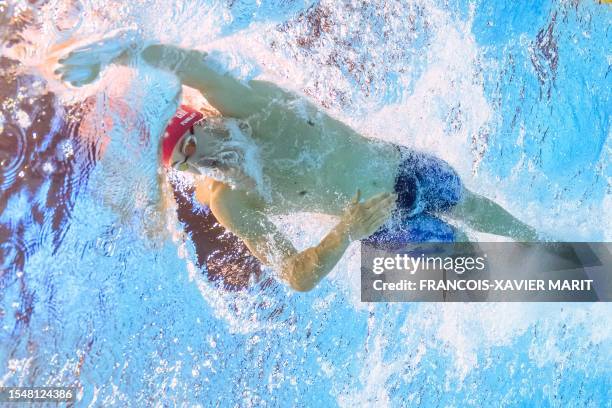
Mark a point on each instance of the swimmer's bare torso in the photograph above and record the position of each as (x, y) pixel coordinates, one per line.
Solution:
(310, 161)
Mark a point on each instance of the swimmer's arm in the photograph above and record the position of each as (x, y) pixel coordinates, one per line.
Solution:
(301, 270)
(484, 215)
(227, 94)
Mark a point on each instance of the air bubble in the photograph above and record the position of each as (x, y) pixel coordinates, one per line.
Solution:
(68, 17)
(67, 149)
(48, 167)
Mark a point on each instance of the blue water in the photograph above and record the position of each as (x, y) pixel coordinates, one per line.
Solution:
(515, 95)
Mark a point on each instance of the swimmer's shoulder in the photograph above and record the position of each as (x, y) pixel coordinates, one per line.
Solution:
(218, 195)
(203, 187)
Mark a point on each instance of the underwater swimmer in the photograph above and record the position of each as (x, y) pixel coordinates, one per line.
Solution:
(272, 152)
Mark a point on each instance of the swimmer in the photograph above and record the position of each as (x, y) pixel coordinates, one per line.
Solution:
(272, 152)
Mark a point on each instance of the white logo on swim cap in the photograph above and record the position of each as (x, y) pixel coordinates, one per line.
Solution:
(188, 119)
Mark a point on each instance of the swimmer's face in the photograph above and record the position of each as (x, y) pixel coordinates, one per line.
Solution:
(190, 153)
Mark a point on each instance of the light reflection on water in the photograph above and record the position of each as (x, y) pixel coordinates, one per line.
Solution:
(515, 97)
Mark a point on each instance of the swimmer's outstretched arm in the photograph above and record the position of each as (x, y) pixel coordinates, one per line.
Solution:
(302, 270)
(230, 96)
(484, 215)
(195, 69)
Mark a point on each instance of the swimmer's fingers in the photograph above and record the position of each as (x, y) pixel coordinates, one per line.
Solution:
(80, 76)
(380, 202)
(357, 197)
(376, 223)
(81, 56)
(383, 209)
(375, 216)
(83, 64)
(97, 53)
(103, 51)
(362, 219)
(382, 197)
(91, 78)
(372, 201)
(71, 70)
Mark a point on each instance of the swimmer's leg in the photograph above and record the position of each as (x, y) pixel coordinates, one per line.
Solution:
(486, 216)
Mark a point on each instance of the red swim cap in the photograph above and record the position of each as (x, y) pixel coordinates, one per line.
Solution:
(184, 118)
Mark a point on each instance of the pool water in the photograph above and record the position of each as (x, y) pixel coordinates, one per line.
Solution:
(101, 290)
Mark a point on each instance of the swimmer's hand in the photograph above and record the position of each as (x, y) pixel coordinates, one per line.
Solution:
(83, 64)
(363, 219)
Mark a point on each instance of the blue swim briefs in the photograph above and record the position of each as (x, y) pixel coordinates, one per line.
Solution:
(425, 185)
